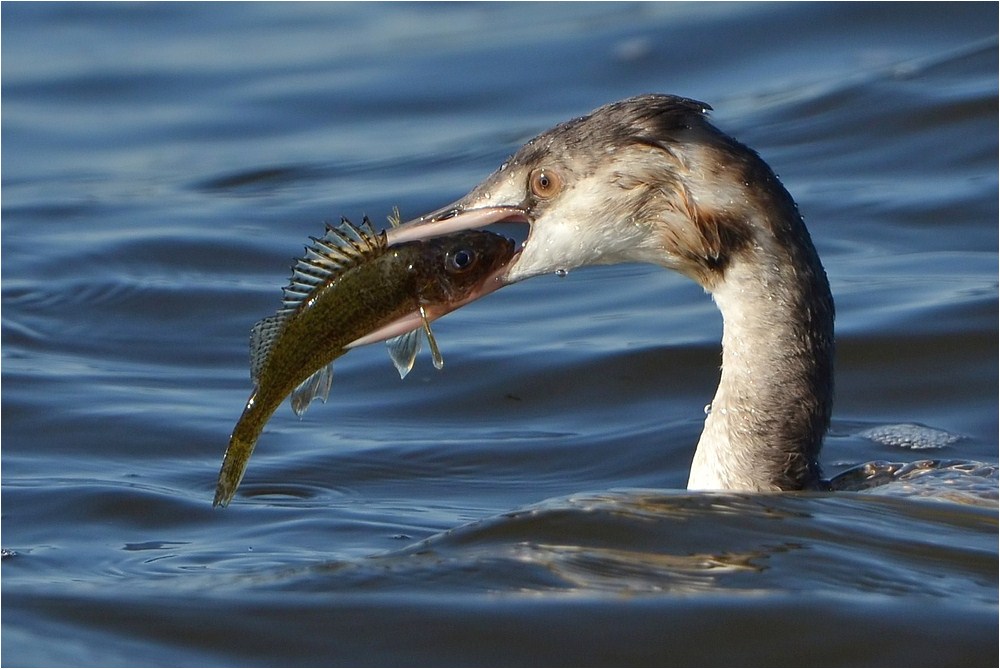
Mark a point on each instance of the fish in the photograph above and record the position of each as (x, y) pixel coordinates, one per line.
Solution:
(352, 288)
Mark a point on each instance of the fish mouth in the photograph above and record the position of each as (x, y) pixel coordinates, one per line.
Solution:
(455, 218)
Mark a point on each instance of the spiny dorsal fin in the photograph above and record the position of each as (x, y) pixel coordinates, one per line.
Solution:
(395, 220)
(337, 251)
(340, 249)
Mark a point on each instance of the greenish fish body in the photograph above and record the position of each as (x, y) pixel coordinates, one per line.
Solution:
(350, 289)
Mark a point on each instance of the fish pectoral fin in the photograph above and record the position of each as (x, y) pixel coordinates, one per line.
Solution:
(316, 386)
(403, 351)
(435, 351)
(404, 348)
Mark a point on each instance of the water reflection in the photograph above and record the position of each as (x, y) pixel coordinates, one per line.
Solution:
(651, 543)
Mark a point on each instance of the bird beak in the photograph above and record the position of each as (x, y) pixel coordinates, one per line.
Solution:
(455, 218)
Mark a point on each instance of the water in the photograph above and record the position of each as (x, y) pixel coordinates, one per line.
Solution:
(163, 164)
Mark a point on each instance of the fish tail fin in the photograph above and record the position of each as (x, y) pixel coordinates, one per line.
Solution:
(241, 445)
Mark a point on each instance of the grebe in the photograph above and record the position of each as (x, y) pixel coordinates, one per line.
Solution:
(649, 179)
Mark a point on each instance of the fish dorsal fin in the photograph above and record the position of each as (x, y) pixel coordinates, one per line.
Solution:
(404, 348)
(395, 220)
(316, 386)
(262, 335)
(337, 251)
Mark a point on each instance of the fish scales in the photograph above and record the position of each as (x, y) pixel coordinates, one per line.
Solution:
(349, 285)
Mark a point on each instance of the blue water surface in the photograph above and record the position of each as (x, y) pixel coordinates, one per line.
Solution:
(162, 165)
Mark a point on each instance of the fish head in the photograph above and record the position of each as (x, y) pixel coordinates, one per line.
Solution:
(448, 272)
(458, 268)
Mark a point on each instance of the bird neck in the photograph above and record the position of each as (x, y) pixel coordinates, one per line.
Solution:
(765, 426)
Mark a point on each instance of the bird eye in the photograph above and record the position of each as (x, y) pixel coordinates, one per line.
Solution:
(544, 182)
(461, 260)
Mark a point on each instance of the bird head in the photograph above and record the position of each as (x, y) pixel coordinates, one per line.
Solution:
(647, 179)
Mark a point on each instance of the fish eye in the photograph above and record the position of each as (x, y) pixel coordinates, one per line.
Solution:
(545, 182)
(461, 260)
